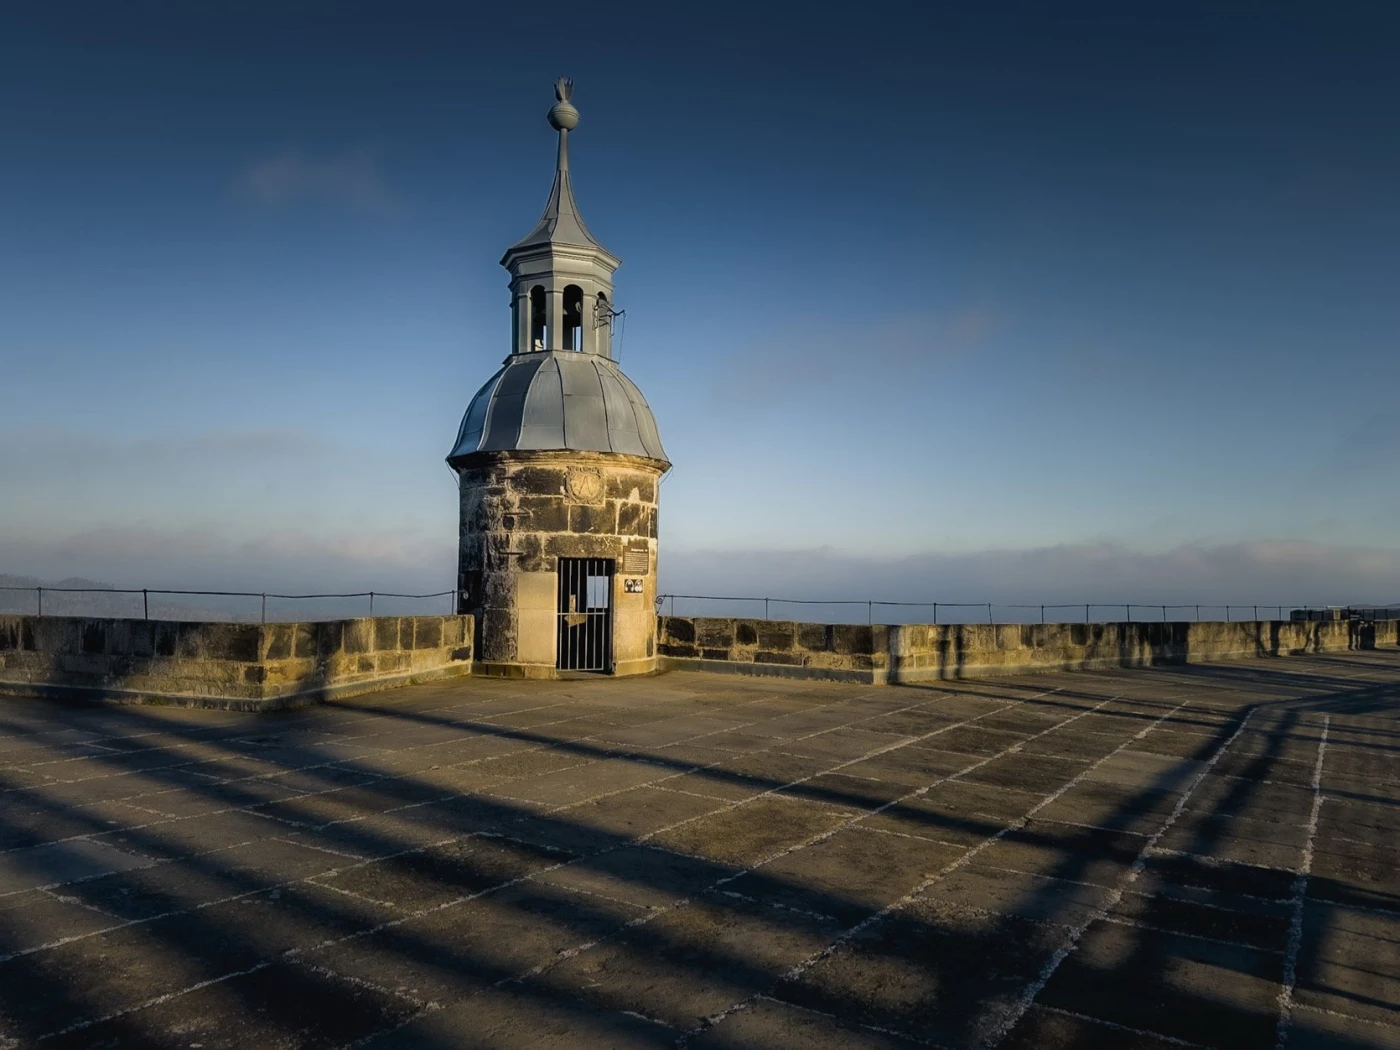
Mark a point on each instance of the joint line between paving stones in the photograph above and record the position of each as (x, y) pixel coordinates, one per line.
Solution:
(1299, 901)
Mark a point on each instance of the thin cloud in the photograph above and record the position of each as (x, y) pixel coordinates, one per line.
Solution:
(349, 179)
(808, 356)
(60, 451)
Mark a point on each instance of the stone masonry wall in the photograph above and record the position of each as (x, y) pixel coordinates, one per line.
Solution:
(850, 652)
(921, 652)
(523, 511)
(246, 666)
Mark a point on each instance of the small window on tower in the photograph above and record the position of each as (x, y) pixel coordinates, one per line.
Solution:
(573, 317)
(537, 317)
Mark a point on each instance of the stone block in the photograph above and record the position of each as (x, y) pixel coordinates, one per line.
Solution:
(461, 654)
(87, 664)
(9, 633)
(787, 659)
(745, 634)
(632, 519)
(392, 662)
(94, 635)
(166, 638)
(26, 635)
(427, 632)
(593, 521)
(714, 633)
(366, 664)
(304, 641)
(816, 637)
(538, 481)
(853, 639)
(678, 628)
(669, 649)
(330, 639)
(358, 636)
(454, 630)
(279, 640)
(239, 642)
(631, 484)
(531, 556)
(536, 636)
(776, 635)
(544, 514)
(255, 675)
(715, 654)
(578, 545)
(54, 634)
(536, 592)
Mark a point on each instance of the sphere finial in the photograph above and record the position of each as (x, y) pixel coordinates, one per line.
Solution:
(562, 115)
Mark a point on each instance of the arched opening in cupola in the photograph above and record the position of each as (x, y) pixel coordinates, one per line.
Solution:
(537, 317)
(573, 318)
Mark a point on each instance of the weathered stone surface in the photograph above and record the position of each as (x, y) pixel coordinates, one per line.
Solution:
(519, 515)
(220, 662)
(593, 520)
(544, 514)
(916, 652)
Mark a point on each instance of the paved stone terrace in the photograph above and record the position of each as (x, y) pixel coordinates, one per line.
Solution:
(1146, 859)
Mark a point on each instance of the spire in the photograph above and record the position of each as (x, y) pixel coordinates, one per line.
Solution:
(561, 223)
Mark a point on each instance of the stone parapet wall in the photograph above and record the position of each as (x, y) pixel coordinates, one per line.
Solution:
(244, 666)
(922, 652)
(848, 652)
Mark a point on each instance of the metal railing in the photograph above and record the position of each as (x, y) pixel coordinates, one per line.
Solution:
(1155, 611)
(263, 596)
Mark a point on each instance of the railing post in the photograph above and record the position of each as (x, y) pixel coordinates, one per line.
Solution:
(935, 614)
(1198, 614)
(1128, 613)
(371, 604)
(1227, 614)
(41, 600)
(870, 612)
(765, 608)
(145, 605)
(989, 612)
(264, 607)
(1042, 614)
(1256, 613)
(1164, 614)
(1086, 613)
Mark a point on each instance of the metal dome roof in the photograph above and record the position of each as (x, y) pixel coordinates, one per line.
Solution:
(558, 399)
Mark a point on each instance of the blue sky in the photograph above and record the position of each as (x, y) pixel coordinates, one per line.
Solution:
(918, 293)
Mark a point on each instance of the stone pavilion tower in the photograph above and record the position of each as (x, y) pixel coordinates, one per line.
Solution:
(558, 461)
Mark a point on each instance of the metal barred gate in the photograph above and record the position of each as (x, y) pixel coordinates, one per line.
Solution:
(585, 614)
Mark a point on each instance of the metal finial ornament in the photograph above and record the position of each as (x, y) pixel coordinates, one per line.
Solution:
(562, 115)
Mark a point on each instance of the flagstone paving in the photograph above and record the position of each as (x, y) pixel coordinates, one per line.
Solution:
(1202, 856)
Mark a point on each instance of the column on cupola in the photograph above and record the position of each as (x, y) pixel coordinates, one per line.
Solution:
(554, 315)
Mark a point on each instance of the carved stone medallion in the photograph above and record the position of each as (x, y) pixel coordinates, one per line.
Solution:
(585, 485)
